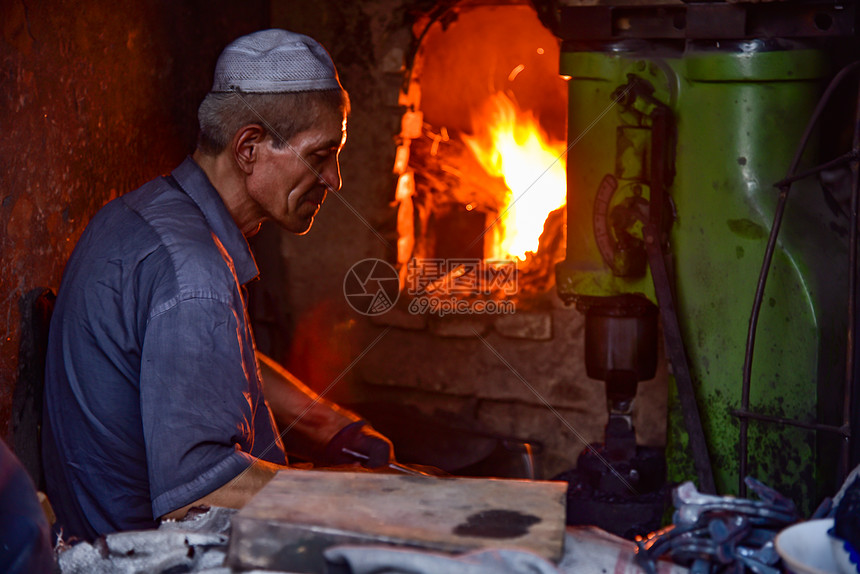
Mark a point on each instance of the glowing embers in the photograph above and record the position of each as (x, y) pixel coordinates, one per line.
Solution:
(509, 143)
(495, 193)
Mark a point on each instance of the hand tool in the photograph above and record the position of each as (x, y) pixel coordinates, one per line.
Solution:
(392, 465)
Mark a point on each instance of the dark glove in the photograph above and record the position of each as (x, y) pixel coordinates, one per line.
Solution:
(372, 449)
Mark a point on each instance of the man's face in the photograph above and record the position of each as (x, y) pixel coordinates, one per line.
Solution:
(288, 185)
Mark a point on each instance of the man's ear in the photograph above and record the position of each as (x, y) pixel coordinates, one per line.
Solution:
(244, 146)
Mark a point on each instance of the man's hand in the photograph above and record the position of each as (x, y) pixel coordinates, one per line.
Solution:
(371, 449)
(329, 427)
(297, 407)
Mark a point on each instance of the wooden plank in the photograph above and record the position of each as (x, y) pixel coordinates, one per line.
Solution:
(289, 523)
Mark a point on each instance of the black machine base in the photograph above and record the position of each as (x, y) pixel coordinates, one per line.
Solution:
(627, 498)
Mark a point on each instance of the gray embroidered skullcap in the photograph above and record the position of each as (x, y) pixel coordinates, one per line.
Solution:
(272, 61)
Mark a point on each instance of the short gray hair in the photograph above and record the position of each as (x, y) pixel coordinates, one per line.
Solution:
(222, 114)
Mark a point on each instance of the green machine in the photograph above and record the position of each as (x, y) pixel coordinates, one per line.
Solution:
(682, 118)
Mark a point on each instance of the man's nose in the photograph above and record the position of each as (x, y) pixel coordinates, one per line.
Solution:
(330, 176)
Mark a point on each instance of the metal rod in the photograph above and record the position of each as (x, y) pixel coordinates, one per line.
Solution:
(849, 157)
(661, 135)
(392, 465)
(759, 296)
(843, 430)
(850, 377)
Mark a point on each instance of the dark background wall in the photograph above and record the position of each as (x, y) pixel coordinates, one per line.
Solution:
(96, 99)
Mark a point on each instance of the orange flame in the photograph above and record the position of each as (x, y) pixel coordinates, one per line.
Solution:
(513, 146)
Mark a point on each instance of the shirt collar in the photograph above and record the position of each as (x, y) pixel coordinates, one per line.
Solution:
(193, 181)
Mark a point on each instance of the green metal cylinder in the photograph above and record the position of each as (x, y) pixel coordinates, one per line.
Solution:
(740, 109)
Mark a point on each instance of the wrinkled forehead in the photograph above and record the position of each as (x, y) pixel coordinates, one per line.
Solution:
(332, 127)
(327, 132)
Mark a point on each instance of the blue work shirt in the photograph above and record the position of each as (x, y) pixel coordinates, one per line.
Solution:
(153, 396)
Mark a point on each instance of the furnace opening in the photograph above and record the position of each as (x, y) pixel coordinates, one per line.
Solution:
(481, 156)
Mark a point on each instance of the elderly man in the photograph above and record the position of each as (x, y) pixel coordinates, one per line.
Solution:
(155, 391)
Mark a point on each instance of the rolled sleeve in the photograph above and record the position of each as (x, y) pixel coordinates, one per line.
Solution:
(198, 487)
(199, 396)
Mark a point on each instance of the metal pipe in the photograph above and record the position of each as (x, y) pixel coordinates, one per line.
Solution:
(843, 430)
(849, 157)
(402, 468)
(850, 376)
